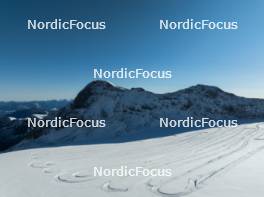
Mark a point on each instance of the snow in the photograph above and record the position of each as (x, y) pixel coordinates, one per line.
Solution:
(12, 118)
(211, 162)
(39, 116)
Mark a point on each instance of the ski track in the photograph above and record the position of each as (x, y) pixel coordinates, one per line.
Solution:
(214, 152)
(108, 187)
(75, 177)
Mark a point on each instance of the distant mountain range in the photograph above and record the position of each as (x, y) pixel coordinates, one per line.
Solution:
(129, 112)
(13, 127)
(25, 109)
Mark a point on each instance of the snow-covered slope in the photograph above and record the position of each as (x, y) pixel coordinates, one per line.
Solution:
(213, 162)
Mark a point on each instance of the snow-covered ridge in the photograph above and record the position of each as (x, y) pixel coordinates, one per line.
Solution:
(199, 100)
(136, 112)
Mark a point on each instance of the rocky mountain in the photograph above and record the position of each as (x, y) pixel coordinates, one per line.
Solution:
(136, 112)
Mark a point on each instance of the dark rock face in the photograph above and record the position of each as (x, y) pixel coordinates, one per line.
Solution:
(95, 87)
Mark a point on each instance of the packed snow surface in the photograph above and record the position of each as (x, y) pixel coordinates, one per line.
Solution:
(211, 162)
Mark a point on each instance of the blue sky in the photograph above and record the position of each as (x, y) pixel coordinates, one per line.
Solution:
(40, 65)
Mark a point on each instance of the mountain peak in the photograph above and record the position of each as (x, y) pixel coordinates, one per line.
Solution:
(206, 87)
(95, 87)
(204, 90)
(99, 83)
